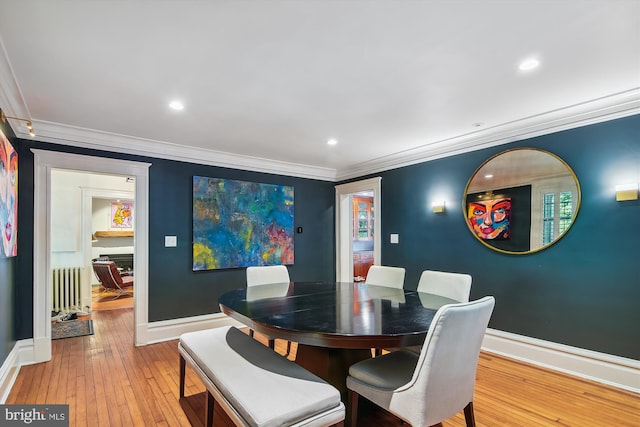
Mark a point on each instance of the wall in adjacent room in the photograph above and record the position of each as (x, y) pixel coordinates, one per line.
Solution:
(68, 214)
(101, 210)
(584, 290)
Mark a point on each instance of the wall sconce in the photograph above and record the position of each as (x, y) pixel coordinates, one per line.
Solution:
(28, 122)
(626, 192)
(438, 207)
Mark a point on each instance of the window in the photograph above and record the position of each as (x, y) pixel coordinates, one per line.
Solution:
(363, 217)
(556, 217)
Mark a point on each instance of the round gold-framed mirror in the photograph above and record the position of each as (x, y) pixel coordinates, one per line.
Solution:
(521, 201)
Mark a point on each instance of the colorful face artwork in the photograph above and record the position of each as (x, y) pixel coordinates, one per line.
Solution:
(8, 198)
(490, 219)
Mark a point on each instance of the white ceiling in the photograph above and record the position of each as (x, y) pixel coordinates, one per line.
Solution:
(266, 83)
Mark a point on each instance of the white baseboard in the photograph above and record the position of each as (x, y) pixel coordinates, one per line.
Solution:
(167, 330)
(601, 367)
(8, 374)
(21, 354)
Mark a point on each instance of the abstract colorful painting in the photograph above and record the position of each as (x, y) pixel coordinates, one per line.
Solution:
(240, 224)
(490, 219)
(8, 198)
(121, 215)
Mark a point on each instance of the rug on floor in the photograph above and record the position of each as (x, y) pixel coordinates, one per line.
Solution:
(71, 328)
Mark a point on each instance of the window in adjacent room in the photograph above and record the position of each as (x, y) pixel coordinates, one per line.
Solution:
(556, 215)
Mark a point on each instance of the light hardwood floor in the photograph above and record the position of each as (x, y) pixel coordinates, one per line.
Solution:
(109, 382)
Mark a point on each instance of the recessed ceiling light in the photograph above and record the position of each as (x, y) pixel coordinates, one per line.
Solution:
(529, 64)
(332, 141)
(176, 105)
(488, 176)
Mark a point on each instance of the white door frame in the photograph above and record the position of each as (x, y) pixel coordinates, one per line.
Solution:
(44, 162)
(344, 225)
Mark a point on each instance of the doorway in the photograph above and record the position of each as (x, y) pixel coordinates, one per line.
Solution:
(108, 214)
(347, 221)
(363, 234)
(85, 226)
(44, 163)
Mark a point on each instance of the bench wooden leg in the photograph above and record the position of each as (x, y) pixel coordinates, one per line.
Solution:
(182, 375)
(208, 410)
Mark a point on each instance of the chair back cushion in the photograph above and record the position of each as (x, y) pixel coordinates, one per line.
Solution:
(267, 274)
(381, 275)
(456, 286)
(446, 371)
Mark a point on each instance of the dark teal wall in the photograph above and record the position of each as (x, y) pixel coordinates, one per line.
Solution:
(7, 306)
(174, 289)
(583, 291)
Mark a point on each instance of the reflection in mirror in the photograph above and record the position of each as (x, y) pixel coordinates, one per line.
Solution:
(521, 200)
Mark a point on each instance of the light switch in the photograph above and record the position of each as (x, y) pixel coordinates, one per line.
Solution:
(170, 241)
(395, 238)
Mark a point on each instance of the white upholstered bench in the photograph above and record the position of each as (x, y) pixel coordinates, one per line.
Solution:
(254, 385)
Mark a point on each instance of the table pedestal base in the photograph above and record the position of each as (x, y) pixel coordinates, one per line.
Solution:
(331, 364)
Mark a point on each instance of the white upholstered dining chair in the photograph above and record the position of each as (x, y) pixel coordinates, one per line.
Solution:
(425, 389)
(268, 275)
(382, 275)
(456, 286)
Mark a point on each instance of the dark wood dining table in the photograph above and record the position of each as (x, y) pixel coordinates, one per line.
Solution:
(335, 324)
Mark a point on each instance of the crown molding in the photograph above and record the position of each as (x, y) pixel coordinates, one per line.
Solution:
(88, 138)
(599, 110)
(10, 94)
(595, 111)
